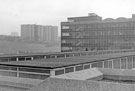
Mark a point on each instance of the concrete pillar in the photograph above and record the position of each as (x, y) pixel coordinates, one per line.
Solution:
(120, 63)
(126, 63)
(55, 56)
(32, 58)
(44, 57)
(52, 72)
(17, 72)
(132, 61)
(64, 55)
(17, 59)
(112, 64)
(103, 64)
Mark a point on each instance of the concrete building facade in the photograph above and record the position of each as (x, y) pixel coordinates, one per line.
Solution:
(91, 32)
(39, 33)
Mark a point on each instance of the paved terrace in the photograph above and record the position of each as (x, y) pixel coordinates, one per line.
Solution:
(119, 80)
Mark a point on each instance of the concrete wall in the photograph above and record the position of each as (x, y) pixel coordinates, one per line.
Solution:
(54, 84)
(7, 88)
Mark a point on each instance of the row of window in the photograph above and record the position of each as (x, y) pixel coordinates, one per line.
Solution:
(120, 63)
(23, 69)
(24, 75)
(129, 25)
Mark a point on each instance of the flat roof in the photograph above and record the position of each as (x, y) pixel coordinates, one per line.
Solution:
(65, 62)
(52, 53)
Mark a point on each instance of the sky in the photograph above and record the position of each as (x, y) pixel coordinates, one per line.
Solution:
(13, 13)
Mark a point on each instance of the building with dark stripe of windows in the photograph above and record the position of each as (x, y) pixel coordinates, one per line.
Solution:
(91, 32)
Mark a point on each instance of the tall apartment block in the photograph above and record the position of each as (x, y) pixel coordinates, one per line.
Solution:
(88, 33)
(33, 32)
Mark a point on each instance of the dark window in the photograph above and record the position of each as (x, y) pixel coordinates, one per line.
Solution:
(59, 72)
(133, 61)
(47, 56)
(7, 73)
(123, 63)
(61, 56)
(21, 58)
(33, 76)
(34, 70)
(94, 65)
(12, 59)
(106, 64)
(77, 54)
(110, 64)
(130, 62)
(70, 69)
(28, 58)
(116, 63)
(100, 64)
(86, 66)
(38, 57)
(52, 56)
(8, 68)
(80, 67)
(4, 60)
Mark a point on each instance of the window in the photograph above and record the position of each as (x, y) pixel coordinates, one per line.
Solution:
(12, 59)
(129, 61)
(34, 70)
(33, 76)
(106, 64)
(4, 60)
(28, 58)
(116, 63)
(8, 68)
(69, 69)
(65, 27)
(110, 64)
(63, 41)
(86, 66)
(7, 73)
(78, 68)
(21, 59)
(123, 63)
(59, 72)
(65, 34)
(100, 64)
(94, 65)
(65, 48)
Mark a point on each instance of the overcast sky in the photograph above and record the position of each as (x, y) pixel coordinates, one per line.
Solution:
(13, 13)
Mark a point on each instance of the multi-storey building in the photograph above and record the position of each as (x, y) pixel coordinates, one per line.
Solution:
(14, 34)
(40, 33)
(28, 32)
(93, 33)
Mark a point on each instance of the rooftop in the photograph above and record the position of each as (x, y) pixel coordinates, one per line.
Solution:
(63, 62)
(85, 81)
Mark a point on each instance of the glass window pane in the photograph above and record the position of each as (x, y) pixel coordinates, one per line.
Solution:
(7, 73)
(94, 65)
(116, 63)
(87, 66)
(8, 68)
(59, 72)
(34, 70)
(123, 63)
(70, 69)
(33, 76)
(77, 68)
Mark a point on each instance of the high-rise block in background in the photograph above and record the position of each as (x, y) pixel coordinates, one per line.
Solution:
(33, 32)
